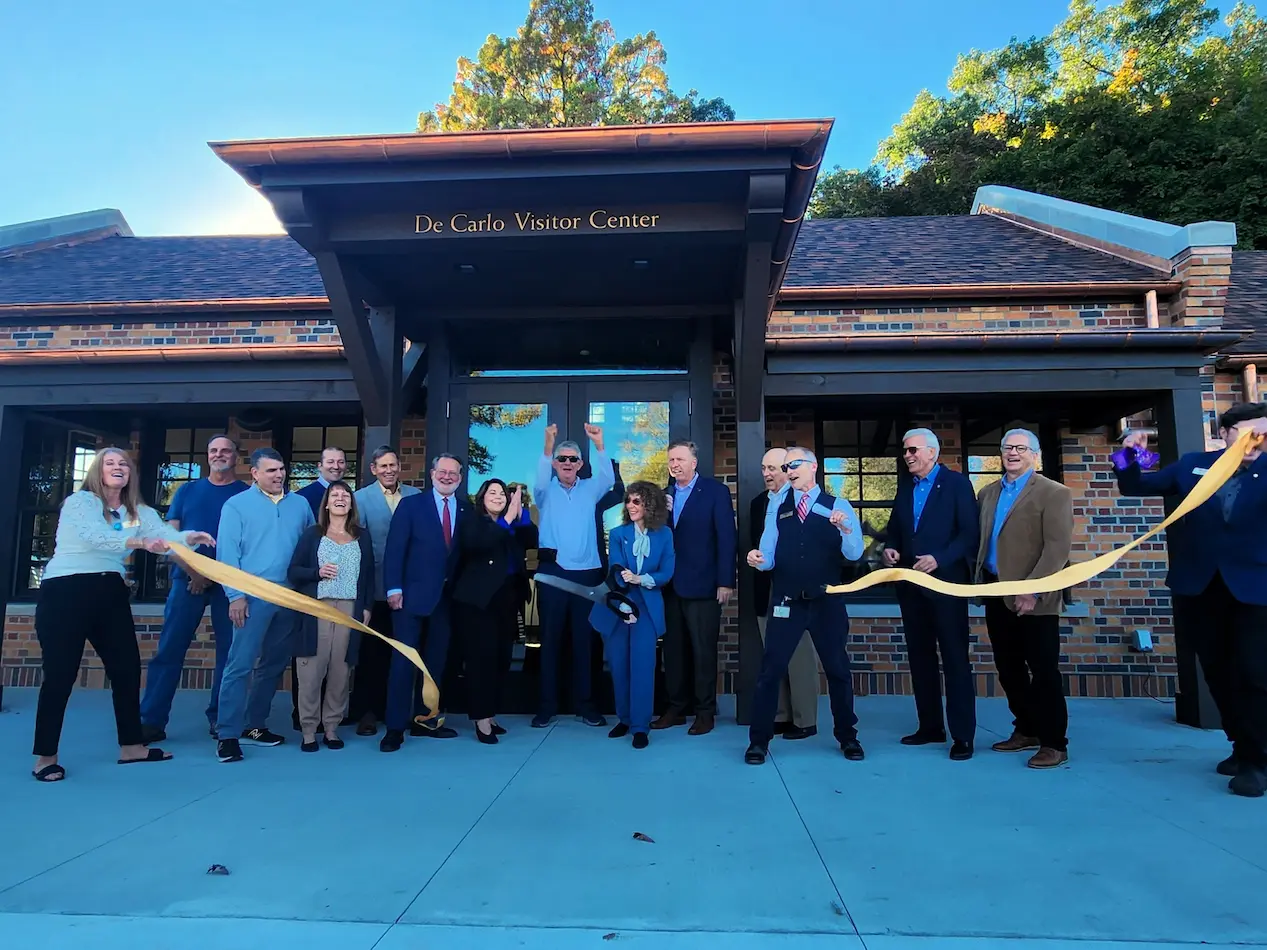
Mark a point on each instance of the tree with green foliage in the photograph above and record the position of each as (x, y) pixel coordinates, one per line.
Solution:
(565, 68)
(1146, 107)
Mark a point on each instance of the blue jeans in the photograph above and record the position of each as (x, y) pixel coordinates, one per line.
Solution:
(181, 619)
(258, 656)
(630, 651)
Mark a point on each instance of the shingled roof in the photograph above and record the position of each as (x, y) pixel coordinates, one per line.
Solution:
(945, 250)
(837, 252)
(1246, 306)
(134, 269)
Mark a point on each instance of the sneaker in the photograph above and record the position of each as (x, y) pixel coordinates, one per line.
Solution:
(540, 722)
(228, 750)
(151, 734)
(592, 719)
(262, 737)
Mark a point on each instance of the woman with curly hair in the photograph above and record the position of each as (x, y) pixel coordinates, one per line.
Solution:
(642, 549)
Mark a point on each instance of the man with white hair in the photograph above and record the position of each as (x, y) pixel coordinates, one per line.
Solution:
(933, 529)
(1027, 532)
(805, 544)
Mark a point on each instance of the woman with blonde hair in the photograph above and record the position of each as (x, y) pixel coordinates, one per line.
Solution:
(84, 596)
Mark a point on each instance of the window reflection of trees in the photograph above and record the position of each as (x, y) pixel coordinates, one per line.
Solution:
(860, 464)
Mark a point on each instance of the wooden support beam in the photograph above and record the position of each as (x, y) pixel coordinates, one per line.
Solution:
(750, 326)
(346, 291)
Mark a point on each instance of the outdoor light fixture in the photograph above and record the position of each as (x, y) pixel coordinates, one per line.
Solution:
(467, 268)
(642, 264)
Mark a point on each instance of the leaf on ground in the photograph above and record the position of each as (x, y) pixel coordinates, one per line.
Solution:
(217, 869)
(639, 836)
(610, 936)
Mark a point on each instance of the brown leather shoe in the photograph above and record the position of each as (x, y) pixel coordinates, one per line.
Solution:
(1016, 743)
(702, 725)
(1047, 758)
(668, 721)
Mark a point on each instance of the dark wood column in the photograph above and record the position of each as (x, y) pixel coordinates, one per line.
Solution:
(701, 376)
(12, 424)
(1180, 429)
(382, 427)
(438, 376)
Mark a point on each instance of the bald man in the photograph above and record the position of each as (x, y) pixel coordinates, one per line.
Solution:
(797, 716)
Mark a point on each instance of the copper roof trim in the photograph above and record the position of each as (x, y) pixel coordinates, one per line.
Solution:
(517, 143)
(1063, 288)
(159, 307)
(173, 354)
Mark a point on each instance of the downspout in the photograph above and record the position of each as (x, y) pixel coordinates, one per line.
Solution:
(1150, 308)
(1249, 383)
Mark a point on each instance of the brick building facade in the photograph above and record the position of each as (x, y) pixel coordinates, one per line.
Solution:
(967, 324)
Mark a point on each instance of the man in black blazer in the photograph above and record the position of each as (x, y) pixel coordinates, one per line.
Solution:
(934, 528)
(1218, 582)
(702, 516)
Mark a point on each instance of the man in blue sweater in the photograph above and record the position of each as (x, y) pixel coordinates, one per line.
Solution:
(258, 532)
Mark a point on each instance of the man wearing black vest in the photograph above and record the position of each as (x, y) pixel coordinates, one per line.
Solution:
(806, 541)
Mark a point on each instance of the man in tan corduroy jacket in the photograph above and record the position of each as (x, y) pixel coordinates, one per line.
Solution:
(1026, 532)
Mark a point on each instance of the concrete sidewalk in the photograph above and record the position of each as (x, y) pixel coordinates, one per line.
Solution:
(455, 845)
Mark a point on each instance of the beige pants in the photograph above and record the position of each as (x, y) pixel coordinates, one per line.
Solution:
(330, 664)
(798, 693)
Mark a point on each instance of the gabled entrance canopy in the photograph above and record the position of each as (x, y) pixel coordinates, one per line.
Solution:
(690, 220)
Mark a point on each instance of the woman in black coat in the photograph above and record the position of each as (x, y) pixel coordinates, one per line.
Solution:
(490, 584)
(333, 562)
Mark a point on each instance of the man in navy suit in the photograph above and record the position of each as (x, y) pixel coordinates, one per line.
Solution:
(334, 462)
(416, 562)
(934, 528)
(1218, 582)
(702, 516)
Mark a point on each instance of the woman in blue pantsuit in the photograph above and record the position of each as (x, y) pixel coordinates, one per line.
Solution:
(642, 548)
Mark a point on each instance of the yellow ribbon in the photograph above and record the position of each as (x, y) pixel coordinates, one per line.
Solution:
(237, 579)
(1222, 469)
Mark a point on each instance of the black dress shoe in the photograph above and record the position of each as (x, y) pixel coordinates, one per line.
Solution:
(1250, 781)
(796, 732)
(392, 741)
(852, 750)
(640, 740)
(418, 730)
(367, 725)
(919, 737)
(961, 751)
(488, 738)
(1229, 766)
(309, 746)
(498, 730)
(755, 755)
(619, 731)
(335, 743)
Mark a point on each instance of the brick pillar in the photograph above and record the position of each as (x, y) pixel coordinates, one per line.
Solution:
(1206, 273)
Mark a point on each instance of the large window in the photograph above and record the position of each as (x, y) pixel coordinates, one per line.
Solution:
(54, 463)
(982, 448)
(306, 443)
(860, 464)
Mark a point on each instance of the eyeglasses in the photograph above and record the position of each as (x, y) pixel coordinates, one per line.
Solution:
(794, 464)
(1018, 449)
(567, 458)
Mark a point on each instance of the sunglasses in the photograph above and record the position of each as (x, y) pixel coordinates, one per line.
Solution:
(910, 450)
(567, 458)
(634, 501)
(794, 464)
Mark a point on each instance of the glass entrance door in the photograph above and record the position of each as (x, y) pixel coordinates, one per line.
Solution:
(499, 426)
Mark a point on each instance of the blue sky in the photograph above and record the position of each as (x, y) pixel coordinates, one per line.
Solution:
(111, 105)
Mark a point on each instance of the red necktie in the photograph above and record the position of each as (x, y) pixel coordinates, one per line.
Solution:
(802, 507)
(447, 525)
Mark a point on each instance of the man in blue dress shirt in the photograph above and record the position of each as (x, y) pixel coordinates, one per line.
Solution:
(569, 548)
(806, 540)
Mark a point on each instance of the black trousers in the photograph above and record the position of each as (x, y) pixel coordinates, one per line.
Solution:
(692, 626)
(373, 665)
(827, 620)
(72, 610)
(1027, 658)
(488, 636)
(934, 622)
(1230, 640)
(561, 612)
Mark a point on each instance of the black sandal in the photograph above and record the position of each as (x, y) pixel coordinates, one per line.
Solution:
(46, 774)
(152, 755)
